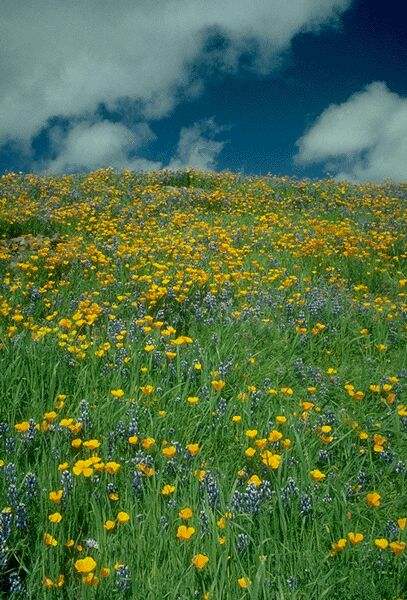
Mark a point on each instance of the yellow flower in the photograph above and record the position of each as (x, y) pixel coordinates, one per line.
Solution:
(118, 393)
(85, 565)
(55, 496)
(281, 419)
(185, 513)
(123, 517)
(133, 439)
(109, 525)
(373, 499)
(397, 547)
(49, 540)
(184, 532)
(148, 443)
(147, 390)
(271, 460)
(355, 538)
(56, 517)
(402, 522)
(250, 452)
(218, 384)
(381, 543)
(22, 427)
(338, 546)
(169, 451)
(82, 467)
(193, 449)
(168, 489)
(275, 436)
(317, 475)
(236, 419)
(402, 410)
(251, 433)
(200, 561)
(244, 582)
(91, 444)
(112, 467)
(192, 400)
(254, 480)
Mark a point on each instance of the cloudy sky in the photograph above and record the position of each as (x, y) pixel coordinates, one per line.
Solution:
(300, 87)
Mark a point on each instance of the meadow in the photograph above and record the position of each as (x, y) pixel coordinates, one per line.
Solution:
(203, 387)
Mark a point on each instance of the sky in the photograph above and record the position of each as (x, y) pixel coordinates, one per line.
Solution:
(305, 88)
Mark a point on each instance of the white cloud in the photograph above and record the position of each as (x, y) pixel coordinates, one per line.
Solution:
(365, 138)
(95, 145)
(64, 58)
(90, 145)
(195, 149)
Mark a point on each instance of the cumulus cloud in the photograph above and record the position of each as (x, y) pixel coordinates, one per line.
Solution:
(66, 58)
(196, 148)
(101, 144)
(92, 145)
(362, 139)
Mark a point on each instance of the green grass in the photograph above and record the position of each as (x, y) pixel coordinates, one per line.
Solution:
(120, 237)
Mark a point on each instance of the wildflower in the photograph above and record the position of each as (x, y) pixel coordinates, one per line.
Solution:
(244, 582)
(109, 525)
(218, 384)
(169, 451)
(55, 517)
(254, 480)
(123, 517)
(275, 436)
(373, 499)
(317, 475)
(56, 496)
(133, 439)
(397, 547)
(251, 433)
(271, 460)
(193, 449)
(22, 427)
(185, 513)
(168, 489)
(147, 390)
(200, 561)
(117, 393)
(148, 443)
(91, 444)
(355, 538)
(338, 546)
(281, 419)
(49, 540)
(402, 522)
(112, 467)
(85, 565)
(184, 532)
(236, 419)
(192, 400)
(381, 543)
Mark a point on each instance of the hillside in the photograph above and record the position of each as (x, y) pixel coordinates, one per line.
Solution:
(203, 381)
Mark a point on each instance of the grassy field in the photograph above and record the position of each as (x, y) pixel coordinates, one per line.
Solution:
(203, 387)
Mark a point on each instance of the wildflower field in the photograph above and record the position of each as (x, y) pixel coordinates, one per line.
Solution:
(203, 387)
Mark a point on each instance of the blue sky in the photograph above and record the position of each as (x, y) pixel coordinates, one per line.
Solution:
(305, 88)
